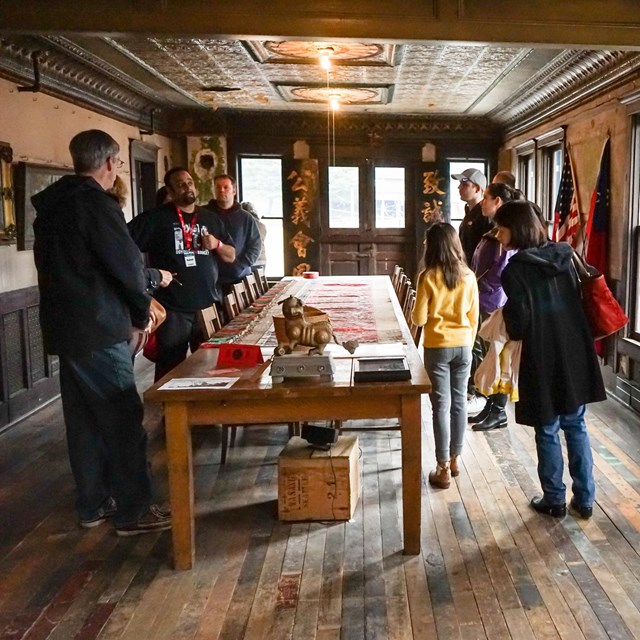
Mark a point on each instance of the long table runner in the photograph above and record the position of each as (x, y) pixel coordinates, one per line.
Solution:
(358, 311)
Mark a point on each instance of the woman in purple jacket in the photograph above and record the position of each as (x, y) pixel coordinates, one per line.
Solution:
(489, 259)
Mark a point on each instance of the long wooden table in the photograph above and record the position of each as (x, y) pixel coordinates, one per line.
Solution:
(255, 399)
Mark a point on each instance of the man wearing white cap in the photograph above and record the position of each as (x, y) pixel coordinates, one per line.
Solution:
(474, 225)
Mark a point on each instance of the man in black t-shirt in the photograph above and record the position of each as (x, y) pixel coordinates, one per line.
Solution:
(184, 239)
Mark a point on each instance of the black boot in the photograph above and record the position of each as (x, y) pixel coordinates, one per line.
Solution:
(479, 417)
(497, 419)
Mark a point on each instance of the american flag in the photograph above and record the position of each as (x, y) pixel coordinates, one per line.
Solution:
(566, 222)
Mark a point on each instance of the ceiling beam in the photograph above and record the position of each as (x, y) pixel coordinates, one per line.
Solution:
(587, 23)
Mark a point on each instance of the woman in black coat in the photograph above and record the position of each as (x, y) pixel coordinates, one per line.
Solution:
(559, 372)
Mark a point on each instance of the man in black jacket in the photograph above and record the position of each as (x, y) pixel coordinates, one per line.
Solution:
(92, 290)
(474, 225)
(241, 226)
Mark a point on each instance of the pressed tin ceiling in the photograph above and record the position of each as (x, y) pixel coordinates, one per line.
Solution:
(509, 85)
(424, 78)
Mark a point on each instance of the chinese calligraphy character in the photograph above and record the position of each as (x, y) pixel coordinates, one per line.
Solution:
(300, 243)
(300, 211)
(432, 211)
(301, 268)
(431, 183)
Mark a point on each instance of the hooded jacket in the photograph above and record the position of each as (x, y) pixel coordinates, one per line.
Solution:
(90, 272)
(489, 260)
(559, 369)
(242, 227)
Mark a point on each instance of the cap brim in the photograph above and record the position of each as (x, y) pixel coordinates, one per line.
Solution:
(458, 176)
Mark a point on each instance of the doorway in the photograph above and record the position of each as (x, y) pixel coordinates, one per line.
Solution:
(367, 226)
(144, 175)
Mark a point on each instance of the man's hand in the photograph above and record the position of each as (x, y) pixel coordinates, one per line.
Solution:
(209, 241)
(167, 277)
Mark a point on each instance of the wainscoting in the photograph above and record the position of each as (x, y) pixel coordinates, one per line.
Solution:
(28, 377)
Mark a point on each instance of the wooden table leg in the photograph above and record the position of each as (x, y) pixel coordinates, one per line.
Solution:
(179, 463)
(411, 473)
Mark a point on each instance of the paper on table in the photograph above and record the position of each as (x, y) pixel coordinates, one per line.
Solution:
(197, 383)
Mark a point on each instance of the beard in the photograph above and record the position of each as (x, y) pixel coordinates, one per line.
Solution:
(187, 198)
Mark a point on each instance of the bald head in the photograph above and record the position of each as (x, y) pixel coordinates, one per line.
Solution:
(505, 177)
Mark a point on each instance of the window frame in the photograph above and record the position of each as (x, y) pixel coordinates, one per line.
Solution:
(526, 163)
(547, 145)
(633, 235)
(241, 198)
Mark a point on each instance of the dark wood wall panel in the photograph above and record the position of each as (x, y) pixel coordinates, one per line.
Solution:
(28, 377)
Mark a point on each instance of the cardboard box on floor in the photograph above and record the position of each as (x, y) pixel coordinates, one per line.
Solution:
(319, 485)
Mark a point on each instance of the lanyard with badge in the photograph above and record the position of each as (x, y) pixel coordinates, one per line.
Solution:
(187, 232)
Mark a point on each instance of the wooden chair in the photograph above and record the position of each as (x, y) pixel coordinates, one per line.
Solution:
(241, 296)
(404, 291)
(401, 283)
(262, 279)
(395, 276)
(209, 321)
(416, 332)
(409, 303)
(230, 304)
(251, 286)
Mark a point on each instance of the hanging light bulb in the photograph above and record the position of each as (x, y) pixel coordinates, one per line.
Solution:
(325, 57)
(334, 102)
(325, 60)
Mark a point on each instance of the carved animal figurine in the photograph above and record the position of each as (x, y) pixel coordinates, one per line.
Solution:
(309, 334)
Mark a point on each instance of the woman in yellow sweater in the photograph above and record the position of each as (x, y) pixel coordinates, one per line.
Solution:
(447, 307)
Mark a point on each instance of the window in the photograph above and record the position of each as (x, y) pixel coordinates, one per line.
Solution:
(526, 176)
(344, 197)
(389, 192)
(551, 155)
(633, 269)
(261, 184)
(456, 205)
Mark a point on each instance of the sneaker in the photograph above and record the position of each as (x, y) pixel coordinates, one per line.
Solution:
(475, 404)
(584, 512)
(554, 510)
(106, 511)
(154, 519)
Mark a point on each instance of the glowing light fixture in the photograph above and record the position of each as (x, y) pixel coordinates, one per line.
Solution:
(325, 60)
(325, 53)
(325, 57)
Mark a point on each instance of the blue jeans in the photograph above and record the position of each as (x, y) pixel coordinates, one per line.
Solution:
(550, 463)
(107, 442)
(448, 370)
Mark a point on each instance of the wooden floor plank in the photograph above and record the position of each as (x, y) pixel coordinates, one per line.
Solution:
(490, 567)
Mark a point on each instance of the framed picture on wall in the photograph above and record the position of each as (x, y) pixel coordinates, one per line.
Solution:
(29, 180)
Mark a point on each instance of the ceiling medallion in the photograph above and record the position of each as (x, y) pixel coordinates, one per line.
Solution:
(308, 52)
(344, 95)
(311, 50)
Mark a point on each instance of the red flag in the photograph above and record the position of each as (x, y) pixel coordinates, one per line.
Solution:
(598, 224)
(566, 222)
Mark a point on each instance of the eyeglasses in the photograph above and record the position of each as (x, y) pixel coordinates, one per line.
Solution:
(119, 163)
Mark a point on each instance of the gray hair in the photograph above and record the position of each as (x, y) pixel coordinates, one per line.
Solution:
(90, 150)
(250, 207)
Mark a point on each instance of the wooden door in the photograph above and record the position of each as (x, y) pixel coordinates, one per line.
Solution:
(366, 225)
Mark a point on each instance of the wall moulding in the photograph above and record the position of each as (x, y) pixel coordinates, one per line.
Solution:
(568, 23)
(64, 74)
(349, 127)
